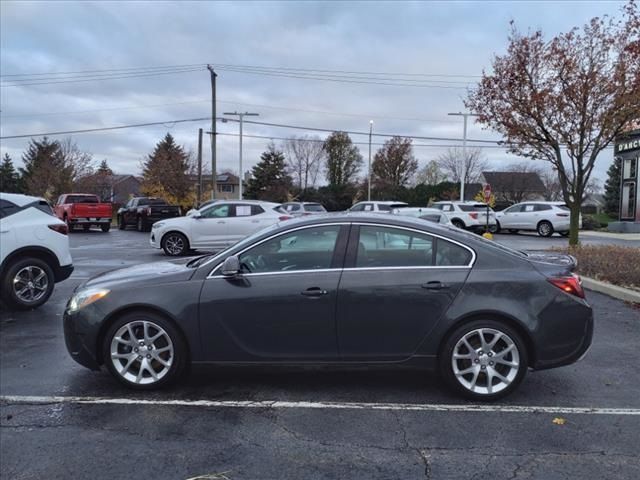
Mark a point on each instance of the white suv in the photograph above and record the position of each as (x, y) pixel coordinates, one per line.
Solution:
(34, 251)
(542, 217)
(376, 206)
(469, 215)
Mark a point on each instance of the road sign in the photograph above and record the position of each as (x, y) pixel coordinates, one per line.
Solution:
(487, 192)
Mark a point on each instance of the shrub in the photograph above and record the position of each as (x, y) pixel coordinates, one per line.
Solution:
(609, 263)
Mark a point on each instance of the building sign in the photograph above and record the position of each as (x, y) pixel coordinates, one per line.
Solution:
(628, 146)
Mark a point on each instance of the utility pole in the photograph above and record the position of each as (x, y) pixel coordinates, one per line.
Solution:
(214, 175)
(464, 115)
(199, 190)
(241, 116)
(369, 185)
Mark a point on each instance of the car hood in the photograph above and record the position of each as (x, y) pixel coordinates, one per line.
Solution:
(149, 273)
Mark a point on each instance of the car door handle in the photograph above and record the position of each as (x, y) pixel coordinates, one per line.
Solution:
(221, 221)
(435, 285)
(314, 292)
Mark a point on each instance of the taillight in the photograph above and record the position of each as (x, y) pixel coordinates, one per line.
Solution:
(570, 284)
(60, 228)
(474, 215)
(284, 217)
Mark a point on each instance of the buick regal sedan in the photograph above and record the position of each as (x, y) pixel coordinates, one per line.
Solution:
(345, 289)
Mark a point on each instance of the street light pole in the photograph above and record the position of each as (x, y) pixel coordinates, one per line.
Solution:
(214, 137)
(369, 185)
(241, 116)
(464, 115)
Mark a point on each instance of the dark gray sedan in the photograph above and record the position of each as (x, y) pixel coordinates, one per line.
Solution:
(345, 289)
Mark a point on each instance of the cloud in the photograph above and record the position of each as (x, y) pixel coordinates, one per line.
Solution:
(419, 37)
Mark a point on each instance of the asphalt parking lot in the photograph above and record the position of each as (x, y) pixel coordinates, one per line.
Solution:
(580, 421)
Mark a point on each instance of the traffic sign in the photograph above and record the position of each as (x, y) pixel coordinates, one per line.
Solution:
(487, 192)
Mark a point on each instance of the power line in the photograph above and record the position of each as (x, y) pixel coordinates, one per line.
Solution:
(101, 75)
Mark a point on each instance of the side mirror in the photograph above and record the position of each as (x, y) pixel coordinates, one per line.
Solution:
(196, 214)
(231, 266)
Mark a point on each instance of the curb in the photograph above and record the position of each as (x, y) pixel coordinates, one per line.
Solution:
(614, 291)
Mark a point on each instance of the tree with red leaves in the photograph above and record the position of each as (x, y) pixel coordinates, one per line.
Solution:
(564, 100)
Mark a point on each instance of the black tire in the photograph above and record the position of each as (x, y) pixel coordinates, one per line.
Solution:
(86, 228)
(175, 244)
(494, 228)
(105, 227)
(139, 224)
(564, 234)
(121, 223)
(69, 224)
(469, 330)
(513, 231)
(544, 229)
(178, 357)
(457, 223)
(10, 296)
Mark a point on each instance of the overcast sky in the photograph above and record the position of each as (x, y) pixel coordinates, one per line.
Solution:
(430, 38)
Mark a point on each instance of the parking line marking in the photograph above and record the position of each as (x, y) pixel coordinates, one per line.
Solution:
(420, 407)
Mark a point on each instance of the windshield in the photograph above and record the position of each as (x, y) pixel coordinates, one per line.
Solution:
(152, 201)
(82, 199)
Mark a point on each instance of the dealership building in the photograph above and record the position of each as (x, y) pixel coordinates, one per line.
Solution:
(627, 150)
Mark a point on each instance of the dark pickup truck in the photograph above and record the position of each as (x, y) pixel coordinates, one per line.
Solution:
(144, 211)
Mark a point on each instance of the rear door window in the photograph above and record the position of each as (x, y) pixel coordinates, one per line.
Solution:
(7, 208)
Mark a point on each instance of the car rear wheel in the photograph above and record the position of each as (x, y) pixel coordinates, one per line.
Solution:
(545, 229)
(144, 351)
(513, 230)
(494, 228)
(175, 244)
(27, 284)
(457, 223)
(69, 224)
(105, 227)
(483, 360)
(564, 234)
(121, 224)
(86, 228)
(140, 225)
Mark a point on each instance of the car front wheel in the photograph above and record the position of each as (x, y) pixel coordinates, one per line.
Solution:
(457, 223)
(121, 224)
(545, 229)
(144, 351)
(175, 244)
(27, 284)
(483, 360)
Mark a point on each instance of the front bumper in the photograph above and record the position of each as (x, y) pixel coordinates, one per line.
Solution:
(76, 343)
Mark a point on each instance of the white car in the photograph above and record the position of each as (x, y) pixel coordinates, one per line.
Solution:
(542, 217)
(468, 215)
(214, 226)
(431, 214)
(376, 206)
(300, 209)
(34, 251)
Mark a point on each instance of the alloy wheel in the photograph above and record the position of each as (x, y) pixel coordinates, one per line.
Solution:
(485, 361)
(30, 284)
(174, 245)
(142, 352)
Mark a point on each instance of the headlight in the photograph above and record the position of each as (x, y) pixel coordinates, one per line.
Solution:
(86, 297)
(157, 225)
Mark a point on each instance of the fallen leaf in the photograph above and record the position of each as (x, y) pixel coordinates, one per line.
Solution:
(559, 421)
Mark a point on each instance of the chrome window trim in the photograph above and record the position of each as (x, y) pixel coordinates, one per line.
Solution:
(351, 269)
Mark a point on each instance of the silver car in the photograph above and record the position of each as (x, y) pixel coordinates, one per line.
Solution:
(298, 209)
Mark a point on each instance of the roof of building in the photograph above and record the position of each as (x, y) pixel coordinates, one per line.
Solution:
(522, 181)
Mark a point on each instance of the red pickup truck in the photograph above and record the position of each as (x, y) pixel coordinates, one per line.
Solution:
(83, 209)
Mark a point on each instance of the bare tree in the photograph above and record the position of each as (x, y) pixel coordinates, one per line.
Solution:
(80, 163)
(305, 156)
(455, 161)
(552, 188)
(565, 100)
(430, 174)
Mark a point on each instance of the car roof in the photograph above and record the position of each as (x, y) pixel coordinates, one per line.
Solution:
(544, 202)
(419, 209)
(458, 202)
(250, 202)
(19, 199)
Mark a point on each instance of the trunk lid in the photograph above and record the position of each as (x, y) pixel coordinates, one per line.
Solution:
(552, 263)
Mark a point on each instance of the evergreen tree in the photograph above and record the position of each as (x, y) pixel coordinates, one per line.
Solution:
(343, 160)
(45, 172)
(612, 188)
(9, 178)
(165, 173)
(104, 169)
(269, 178)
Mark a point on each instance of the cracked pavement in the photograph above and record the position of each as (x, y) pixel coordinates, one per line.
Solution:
(179, 442)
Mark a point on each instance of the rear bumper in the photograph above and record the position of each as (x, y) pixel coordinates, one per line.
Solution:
(89, 220)
(63, 272)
